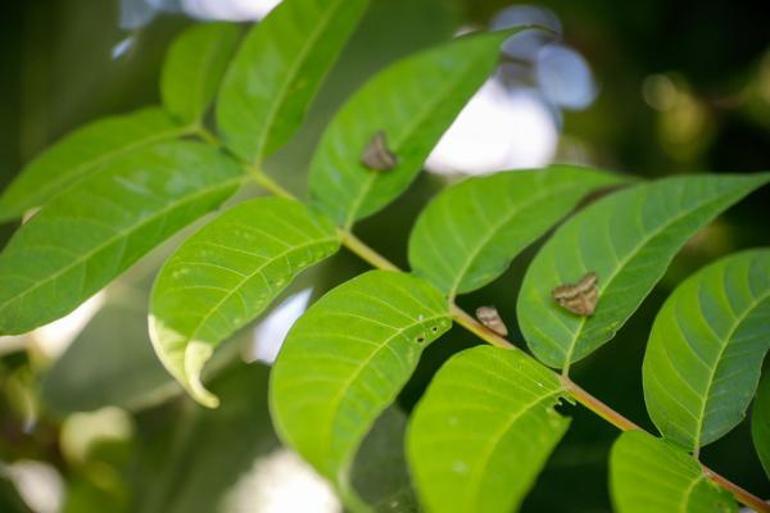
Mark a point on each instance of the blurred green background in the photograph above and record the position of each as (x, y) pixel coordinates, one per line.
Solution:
(683, 86)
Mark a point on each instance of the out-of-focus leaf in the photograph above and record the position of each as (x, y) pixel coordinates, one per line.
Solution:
(278, 70)
(194, 68)
(627, 239)
(111, 363)
(468, 235)
(81, 153)
(345, 360)
(705, 353)
(379, 473)
(94, 231)
(649, 475)
(411, 103)
(760, 423)
(225, 275)
(483, 431)
(186, 461)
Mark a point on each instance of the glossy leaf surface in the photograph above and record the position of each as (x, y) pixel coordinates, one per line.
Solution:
(345, 360)
(80, 153)
(411, 103)
(469, 234)
(225, 275)
(649, 475)
(483, 431)
(705, 352)
(94, 231)
(627, 239)
(278, 70)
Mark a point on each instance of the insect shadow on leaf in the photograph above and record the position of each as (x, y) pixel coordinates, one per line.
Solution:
(579, 298)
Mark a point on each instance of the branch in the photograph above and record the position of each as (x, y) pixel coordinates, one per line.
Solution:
(366, 253)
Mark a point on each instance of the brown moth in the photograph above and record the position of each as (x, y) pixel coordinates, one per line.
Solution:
(488, 316)
(377, 156)
(579, 298)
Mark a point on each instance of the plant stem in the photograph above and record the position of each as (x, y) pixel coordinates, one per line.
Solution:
(357, 246)
(744, 497)
(573, 389)
(360, 248)
(469, 323)
(597, 406)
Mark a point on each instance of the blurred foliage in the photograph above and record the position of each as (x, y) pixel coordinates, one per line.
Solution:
(684, 86)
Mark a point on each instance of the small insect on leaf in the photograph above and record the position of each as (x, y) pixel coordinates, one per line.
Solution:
(489, 317)
(579, 298)
(377, 156)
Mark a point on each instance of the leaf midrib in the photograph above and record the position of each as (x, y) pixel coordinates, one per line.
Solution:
(418, 120)
(622, 264)
(121, 234)
(495, 439)
(294, 69)
(336, 401)
(494, 231)
(713, 371)
(248, 277)
(82, 169)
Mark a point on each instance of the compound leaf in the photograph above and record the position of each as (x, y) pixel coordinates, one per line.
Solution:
(649, 475)
(225, 275)
(411, 103)
(468, 235)
(345, 360)
(194, 67)
(483, 431)
(627, 239)
(760, 423)
(80, 153)
(278, 70)
(705, 353)
(94, 231)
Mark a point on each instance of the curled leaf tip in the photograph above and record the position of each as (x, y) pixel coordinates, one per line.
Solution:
(184, 365)
(195, 357)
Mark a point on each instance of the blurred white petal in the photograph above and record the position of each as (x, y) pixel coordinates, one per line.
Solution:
(281, 483)
(229, 10)
(54, 338)
(497, 130)
(82, 431)
(39, 485)
(565, 77)
(271, 332)
(122, 47)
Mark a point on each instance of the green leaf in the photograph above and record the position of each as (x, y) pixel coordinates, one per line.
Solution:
(94, 231)
(483, 431)
(469, 234)
(705, 353)
(80, 153)
(628, 239)
(412, 102)
(194, 67)
(345, 360)
(278, 70)
(760, 423)
(225, 275)
(111, 363)
(649, 475)
(193, 460)
(379, 473)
